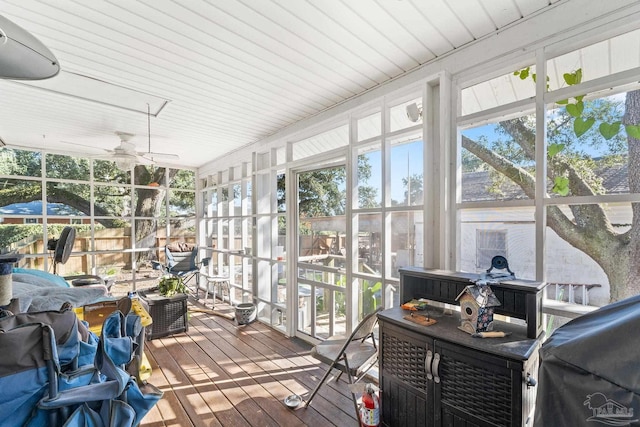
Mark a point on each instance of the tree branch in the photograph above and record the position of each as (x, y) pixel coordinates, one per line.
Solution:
(518, 175)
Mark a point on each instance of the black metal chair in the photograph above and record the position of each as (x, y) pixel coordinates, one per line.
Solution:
(354, 355)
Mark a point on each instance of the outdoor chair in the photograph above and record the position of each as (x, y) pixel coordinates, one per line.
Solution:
(182, 261)
(48, 378)
(354, 355)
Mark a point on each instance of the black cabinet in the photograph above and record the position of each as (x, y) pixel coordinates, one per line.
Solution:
(441, 376)
(438, 375)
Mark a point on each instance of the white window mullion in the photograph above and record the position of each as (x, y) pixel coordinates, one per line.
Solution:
(541, 165)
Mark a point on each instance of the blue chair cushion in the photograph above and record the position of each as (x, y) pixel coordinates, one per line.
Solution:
(53, 278)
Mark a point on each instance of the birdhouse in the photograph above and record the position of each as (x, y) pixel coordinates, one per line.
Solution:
(477, 304)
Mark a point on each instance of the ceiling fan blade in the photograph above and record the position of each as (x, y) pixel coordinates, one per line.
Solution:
(141, 160)
(106, 156)
(92, 147)
(166, 156)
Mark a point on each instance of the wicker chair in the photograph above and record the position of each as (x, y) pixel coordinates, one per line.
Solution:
(354, 355)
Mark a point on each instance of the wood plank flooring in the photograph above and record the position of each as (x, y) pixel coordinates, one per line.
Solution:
(222, 374)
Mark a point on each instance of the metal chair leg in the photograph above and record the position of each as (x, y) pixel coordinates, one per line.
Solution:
(315, 390)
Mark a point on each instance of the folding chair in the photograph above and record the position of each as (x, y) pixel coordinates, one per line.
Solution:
(182, 261)
(354, 355)
(36, 390)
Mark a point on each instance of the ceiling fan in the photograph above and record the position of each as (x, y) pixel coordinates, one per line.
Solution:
(125, 155)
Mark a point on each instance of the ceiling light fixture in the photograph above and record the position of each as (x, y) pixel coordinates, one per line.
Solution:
(414, 113)
(125, 163)
(22, 56)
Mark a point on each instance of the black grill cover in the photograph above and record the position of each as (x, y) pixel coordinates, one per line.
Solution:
(590, 370)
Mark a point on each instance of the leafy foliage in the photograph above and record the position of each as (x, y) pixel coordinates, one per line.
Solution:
(170, 285)
(584, 137)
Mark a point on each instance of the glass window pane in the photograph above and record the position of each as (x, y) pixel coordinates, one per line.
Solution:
(22, 239)
(370, 176)
(107, 171)
(370, 243)
(59, 166)
(237, 200)
(212, 232)
(587, 245)
(511, 87)
(407, 245)
(149, 175)
(588, 145)
(335, 138)
(281, 192)
(280, 252)
(247, 200)
(485, 233)
(597, 60)
(237, 235)
(148, 232)
(224, 202)
(407, 170)
(113, 234)
(150, 202)
(263, 188)
(266, 293)
(182, 203)
(20, 162)
(370, 294)
(68, 199)
(214, 202)
(183, 230)
(399, 118)
(20, 197)
(370, 126)
(498, 160)
(112, 200)
(183, 179)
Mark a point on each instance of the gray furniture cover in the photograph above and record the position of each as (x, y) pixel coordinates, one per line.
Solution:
(590, 370)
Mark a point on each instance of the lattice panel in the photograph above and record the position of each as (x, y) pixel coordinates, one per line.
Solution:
(404, 360)
(480, 391)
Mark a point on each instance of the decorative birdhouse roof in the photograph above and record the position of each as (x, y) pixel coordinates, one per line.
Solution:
(482, 294)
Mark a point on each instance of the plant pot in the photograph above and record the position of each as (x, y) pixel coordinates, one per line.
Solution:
(245, 313)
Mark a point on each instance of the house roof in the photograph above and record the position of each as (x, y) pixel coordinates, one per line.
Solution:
(482, 294)
(477, 186)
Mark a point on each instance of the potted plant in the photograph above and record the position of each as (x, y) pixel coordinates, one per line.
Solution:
(170, 285)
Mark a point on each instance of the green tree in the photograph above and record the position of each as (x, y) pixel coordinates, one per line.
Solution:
(320, 194)
(573, 172)
(109, 201)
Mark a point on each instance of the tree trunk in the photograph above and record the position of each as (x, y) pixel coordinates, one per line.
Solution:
(590, 231)
(632, 280)
(149, 206)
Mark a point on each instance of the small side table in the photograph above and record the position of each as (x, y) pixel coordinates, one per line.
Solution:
(169, 314)
(220, 282)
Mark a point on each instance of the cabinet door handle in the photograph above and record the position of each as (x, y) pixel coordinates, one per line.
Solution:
(427, 364)
(436, 362)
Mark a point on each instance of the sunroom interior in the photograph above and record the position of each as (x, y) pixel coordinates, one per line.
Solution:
(311, 150)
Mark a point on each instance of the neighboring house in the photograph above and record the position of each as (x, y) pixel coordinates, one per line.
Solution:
(31, 212)
(488, 232)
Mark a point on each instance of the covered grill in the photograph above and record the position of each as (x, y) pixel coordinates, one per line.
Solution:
(590, 370)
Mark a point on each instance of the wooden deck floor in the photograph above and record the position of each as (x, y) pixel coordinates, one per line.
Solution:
(222, 374)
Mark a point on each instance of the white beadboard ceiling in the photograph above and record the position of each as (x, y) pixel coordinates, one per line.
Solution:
(233, 71)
